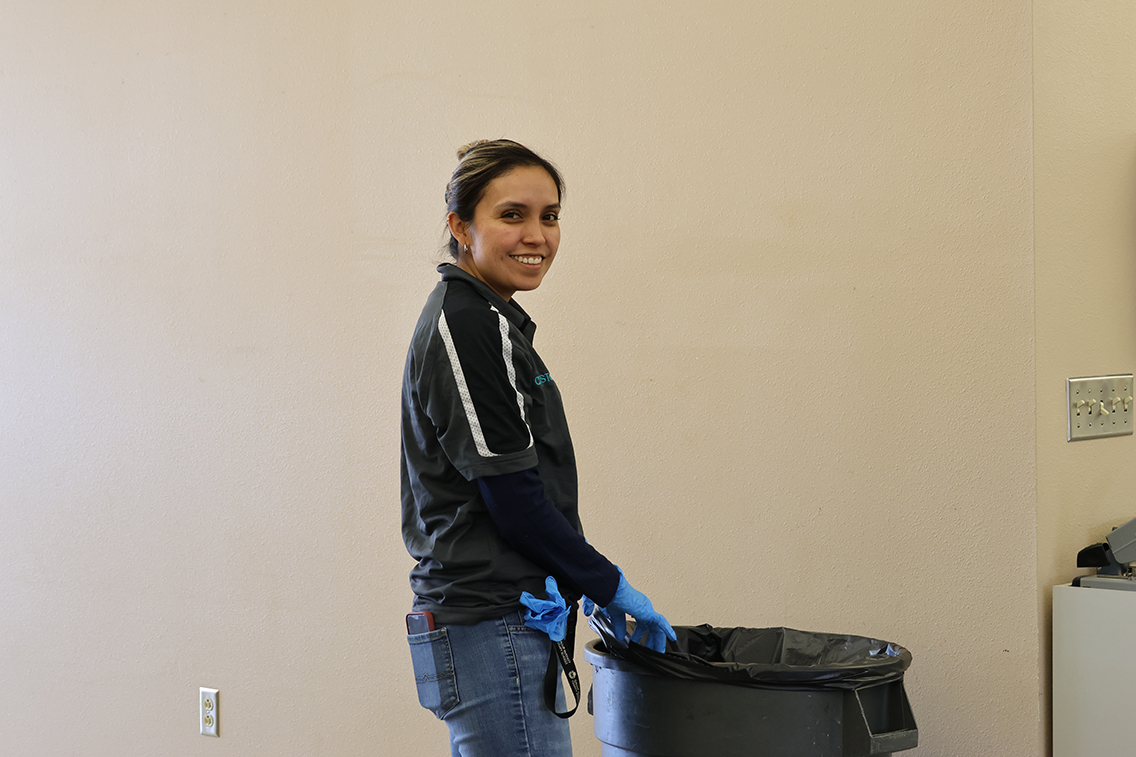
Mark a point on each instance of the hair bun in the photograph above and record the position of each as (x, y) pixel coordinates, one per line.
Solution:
(465, 149)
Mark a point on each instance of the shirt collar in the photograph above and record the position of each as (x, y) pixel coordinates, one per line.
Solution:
(512, 311)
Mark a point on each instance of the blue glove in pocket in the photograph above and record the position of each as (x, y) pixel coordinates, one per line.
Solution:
(548, 615)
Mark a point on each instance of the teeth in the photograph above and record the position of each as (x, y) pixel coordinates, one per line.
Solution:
(535, 260)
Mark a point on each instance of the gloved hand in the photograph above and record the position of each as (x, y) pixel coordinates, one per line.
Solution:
(651, 629)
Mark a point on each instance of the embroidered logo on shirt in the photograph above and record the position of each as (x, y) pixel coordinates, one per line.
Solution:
(543, 378)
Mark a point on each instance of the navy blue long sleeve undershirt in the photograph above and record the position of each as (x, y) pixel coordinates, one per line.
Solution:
(530, 523)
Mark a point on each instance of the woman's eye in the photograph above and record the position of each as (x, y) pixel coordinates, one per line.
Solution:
(552, 217)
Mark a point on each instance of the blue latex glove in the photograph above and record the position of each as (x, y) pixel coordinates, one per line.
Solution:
(548, 615)
(651, 629)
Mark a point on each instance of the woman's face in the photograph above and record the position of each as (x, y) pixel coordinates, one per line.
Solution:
(514, 233)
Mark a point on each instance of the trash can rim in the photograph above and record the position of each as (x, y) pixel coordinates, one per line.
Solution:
(828, 672)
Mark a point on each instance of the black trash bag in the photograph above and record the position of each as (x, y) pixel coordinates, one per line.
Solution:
(765, 658)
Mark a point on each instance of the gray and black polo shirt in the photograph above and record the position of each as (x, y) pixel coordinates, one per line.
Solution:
(477, 400)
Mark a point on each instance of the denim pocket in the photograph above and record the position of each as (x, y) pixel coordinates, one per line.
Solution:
(434, 671)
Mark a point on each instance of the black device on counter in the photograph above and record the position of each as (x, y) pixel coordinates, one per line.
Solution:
(1113, 558)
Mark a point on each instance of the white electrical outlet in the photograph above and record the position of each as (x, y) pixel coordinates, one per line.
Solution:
(1099, 406)
(209, 712)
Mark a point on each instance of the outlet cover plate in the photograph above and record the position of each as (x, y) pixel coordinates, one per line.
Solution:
(209, 712)
(1099, 406)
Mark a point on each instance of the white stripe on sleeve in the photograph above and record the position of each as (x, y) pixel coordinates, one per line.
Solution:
(463, 387)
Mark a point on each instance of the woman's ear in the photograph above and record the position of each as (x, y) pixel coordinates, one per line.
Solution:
(459, 229)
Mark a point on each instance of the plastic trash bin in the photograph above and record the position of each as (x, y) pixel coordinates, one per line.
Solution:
(756, 692)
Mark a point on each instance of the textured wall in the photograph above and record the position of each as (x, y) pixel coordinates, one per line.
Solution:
(792, 317)
(1085, 169)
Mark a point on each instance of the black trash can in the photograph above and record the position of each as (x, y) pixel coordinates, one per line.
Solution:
(772, 692)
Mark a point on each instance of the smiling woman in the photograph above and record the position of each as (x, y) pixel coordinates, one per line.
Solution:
(481, 415)
(510, 237)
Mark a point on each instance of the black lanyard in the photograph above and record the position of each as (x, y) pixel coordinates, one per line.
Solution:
(561, 655)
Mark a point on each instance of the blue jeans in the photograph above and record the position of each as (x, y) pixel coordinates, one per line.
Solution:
(485, 682)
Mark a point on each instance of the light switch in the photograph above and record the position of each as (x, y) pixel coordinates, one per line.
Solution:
(1099, 406)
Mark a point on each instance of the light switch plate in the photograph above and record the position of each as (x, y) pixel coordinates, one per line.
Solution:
(1099, 406)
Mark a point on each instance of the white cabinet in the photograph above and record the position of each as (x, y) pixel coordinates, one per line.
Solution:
(1094, 672)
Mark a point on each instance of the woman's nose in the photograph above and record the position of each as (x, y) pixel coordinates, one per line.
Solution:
(533, 233)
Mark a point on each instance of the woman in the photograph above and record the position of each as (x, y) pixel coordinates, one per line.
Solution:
(489, 493)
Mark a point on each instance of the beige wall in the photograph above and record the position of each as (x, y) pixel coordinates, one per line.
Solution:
(1085, 242)
(793, 319)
